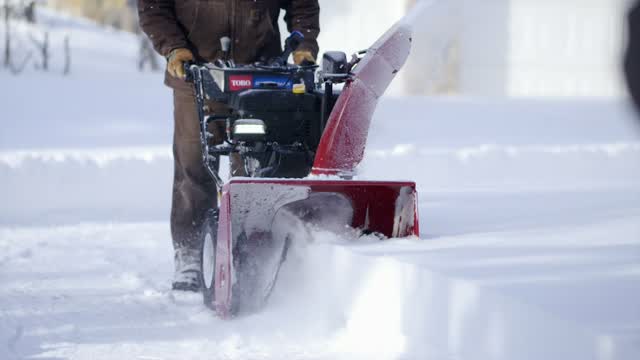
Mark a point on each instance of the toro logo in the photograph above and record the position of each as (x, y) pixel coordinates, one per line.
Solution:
(240, 82)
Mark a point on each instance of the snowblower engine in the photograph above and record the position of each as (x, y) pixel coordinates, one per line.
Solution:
(278, 111)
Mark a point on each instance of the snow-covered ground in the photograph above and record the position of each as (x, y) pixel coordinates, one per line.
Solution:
(529, 210)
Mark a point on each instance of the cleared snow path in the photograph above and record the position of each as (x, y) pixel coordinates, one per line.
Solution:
(100, 291)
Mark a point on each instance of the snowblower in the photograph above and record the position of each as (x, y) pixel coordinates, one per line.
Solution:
(300, 140)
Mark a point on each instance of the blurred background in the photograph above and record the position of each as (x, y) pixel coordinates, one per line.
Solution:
(504, 48)
(511, 116)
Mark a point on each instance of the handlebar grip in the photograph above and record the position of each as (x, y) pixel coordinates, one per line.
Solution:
(293, 41)
(290, 45)
(188, 72)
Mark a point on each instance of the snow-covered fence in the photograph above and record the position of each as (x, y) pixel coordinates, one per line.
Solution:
(11, 13)
(30, 42)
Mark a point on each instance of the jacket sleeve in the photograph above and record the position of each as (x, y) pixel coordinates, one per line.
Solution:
(158, 20)
(304, 16)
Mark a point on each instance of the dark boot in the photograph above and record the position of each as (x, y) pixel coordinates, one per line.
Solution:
(187, 276)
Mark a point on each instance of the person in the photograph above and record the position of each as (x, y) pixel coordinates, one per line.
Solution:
(632, 55)
(190, 30)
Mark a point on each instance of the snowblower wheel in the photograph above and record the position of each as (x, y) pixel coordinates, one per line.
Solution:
(209, 244)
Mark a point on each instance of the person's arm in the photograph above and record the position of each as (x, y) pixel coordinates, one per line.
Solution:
(158, 20)
(304, 16)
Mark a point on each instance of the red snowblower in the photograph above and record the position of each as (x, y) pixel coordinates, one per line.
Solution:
(300, 140)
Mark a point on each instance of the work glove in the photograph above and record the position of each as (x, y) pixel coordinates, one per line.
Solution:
(176, 60)
(302, 57)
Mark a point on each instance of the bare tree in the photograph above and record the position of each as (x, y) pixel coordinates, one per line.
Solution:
(67, 56)
(30, 12)
(147, 55)
(43, 49)
(7, 34)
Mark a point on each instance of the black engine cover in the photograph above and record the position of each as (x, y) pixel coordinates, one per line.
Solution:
(289, 117)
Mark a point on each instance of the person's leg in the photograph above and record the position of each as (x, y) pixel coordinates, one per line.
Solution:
(194, 191)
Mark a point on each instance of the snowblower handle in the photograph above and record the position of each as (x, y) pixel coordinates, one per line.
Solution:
(194, 75)
(188, 70)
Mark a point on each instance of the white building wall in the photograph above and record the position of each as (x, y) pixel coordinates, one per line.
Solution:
(484, 45)
(518, 48)
(566, 47)
(542, 47)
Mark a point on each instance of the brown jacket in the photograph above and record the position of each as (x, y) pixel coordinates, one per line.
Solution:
(251, 24)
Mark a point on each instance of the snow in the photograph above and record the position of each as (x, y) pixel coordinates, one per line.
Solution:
(529, 211)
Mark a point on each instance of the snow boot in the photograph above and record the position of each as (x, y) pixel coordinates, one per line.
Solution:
(188, 275)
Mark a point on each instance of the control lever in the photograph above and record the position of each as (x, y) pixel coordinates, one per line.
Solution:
(188, 70)
(225, 45)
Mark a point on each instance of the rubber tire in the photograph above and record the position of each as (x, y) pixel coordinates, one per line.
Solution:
(209, 234)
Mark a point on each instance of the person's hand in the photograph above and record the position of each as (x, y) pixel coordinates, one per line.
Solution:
(302, 57)
(176, 60)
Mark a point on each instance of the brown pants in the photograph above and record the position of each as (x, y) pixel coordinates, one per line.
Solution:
(194, 191)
